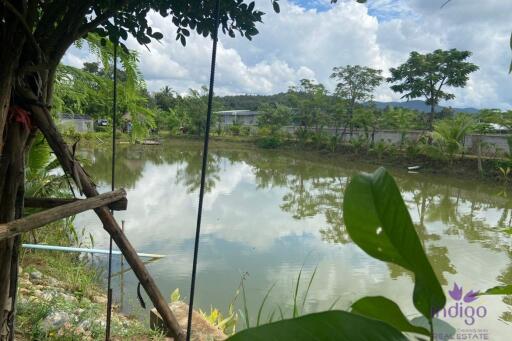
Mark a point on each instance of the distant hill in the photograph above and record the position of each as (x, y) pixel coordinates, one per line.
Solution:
(252, 102)
(422, 107)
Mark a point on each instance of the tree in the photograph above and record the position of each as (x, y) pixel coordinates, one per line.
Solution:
(274, 117)
(34, 37)
(401, 119)
(355, 85)
(425, 75)
(449, 134)
(309, 100)
(166, 98)
(191, 109)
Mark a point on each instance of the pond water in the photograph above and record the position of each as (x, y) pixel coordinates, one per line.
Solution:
(267, 214)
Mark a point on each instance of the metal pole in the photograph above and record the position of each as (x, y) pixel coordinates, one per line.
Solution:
(204, 168)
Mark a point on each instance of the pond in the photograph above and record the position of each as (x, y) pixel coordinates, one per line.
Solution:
(269, 214)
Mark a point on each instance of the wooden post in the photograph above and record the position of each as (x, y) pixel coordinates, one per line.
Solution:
(33, 221)
(119, 205)
(44, 122)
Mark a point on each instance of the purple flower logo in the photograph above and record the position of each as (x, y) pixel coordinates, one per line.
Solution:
(456, 294)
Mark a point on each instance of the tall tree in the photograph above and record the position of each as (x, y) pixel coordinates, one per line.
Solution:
(274, 117)
(356, 84)
(34, 36)
(426, 75)
(309, 99)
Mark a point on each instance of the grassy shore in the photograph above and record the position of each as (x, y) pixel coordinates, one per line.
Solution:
(61, 297)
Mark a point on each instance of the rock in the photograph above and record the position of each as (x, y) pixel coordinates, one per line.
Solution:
(99, 299)
(202, 330)
(68, 298)
(53, 282)
(85, 325)
(55, 320)
(35, 275)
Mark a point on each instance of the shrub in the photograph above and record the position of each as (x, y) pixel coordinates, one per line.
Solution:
(235, 129)
(269, 142)
(245, 131)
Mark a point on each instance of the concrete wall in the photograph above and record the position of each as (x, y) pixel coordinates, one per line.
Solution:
(80, 125)
(493, 143)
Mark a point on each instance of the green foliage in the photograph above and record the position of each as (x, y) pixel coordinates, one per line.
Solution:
(90, 90)
(191, 110)
(425, 75)
(331, 325)
(310, 101)
(274, 117)
(377, 220)
(356, 83)
(383, 309)
(449, 134)
(499, 290)
(401, 119)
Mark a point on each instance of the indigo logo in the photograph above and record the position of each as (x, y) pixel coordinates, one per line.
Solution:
(463, 307)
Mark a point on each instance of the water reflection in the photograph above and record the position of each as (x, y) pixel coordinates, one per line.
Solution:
(266, 211)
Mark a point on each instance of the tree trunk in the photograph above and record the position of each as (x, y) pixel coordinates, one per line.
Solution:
(13, 138)
(430, 122)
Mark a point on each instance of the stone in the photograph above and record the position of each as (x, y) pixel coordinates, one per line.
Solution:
(99, 299)
(52, 282)
(35, 275)
(68, 298)
(202, 330)
(55, 320)
(85, 325)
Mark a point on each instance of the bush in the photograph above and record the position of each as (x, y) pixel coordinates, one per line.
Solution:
(269, 142)
(235, 129)
(245, 131)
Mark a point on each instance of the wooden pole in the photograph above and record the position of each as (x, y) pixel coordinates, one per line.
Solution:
(39, 219)
(44, 122)
(119, 205)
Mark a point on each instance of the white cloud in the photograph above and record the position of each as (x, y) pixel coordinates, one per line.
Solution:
(307, 43)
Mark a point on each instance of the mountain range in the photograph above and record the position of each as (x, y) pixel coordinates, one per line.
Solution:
(252, 102)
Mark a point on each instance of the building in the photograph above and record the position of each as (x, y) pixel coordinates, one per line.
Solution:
(242, 117)
(80, 123)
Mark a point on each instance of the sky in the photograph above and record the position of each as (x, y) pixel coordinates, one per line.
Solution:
(310, 37)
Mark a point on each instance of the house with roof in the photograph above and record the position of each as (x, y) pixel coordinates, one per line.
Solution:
(242, 117)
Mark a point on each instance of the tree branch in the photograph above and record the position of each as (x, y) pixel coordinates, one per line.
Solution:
(27, 29)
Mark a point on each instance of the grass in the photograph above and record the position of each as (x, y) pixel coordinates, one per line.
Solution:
(78, 279)
(298, 301)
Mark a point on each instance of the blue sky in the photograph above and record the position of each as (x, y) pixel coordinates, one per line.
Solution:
(308, 38)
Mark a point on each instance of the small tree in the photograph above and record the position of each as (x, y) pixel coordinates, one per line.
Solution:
(309, 98)
(449, 134)
(401, 119)
(274, 117)
(425, 75)
(355, 85)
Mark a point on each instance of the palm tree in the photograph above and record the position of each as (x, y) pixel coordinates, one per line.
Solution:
(449, 134)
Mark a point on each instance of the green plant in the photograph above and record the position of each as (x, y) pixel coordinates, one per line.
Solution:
(269, 142)
(235, 129)
(245, 131)
(378, 221)
(358, 143)
(504, 173)
(380, 148)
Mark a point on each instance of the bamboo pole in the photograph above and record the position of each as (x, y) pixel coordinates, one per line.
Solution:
(45, 123)
(33, 221)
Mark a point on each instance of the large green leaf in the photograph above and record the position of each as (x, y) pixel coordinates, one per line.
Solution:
(377, 220)
(383, 309)
(325, 326)
(500, 290)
